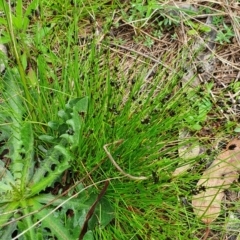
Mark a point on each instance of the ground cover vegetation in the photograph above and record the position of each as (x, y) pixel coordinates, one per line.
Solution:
(111, 111)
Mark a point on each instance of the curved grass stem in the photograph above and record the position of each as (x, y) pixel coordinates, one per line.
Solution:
(117, 166)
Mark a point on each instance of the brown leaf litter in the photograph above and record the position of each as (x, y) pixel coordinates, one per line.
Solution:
(215, 180)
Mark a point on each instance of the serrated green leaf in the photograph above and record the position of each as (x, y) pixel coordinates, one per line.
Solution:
(21, 142)
(75, 203)
(27, 222)
(8, 230)
(28, 154)
(12, 93)
(52, 159)
(38, 183)
(6, 182)
(76, 124)
(6, 211)
(55, 225)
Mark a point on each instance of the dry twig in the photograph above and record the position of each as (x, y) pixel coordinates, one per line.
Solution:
(117, 166)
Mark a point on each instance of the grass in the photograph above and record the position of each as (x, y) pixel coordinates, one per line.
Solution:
(77, 49)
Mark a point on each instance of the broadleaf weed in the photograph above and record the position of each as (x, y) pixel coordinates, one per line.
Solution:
(22, 181)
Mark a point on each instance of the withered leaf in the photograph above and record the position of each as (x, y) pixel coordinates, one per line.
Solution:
(186, 152)
(217, 178)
